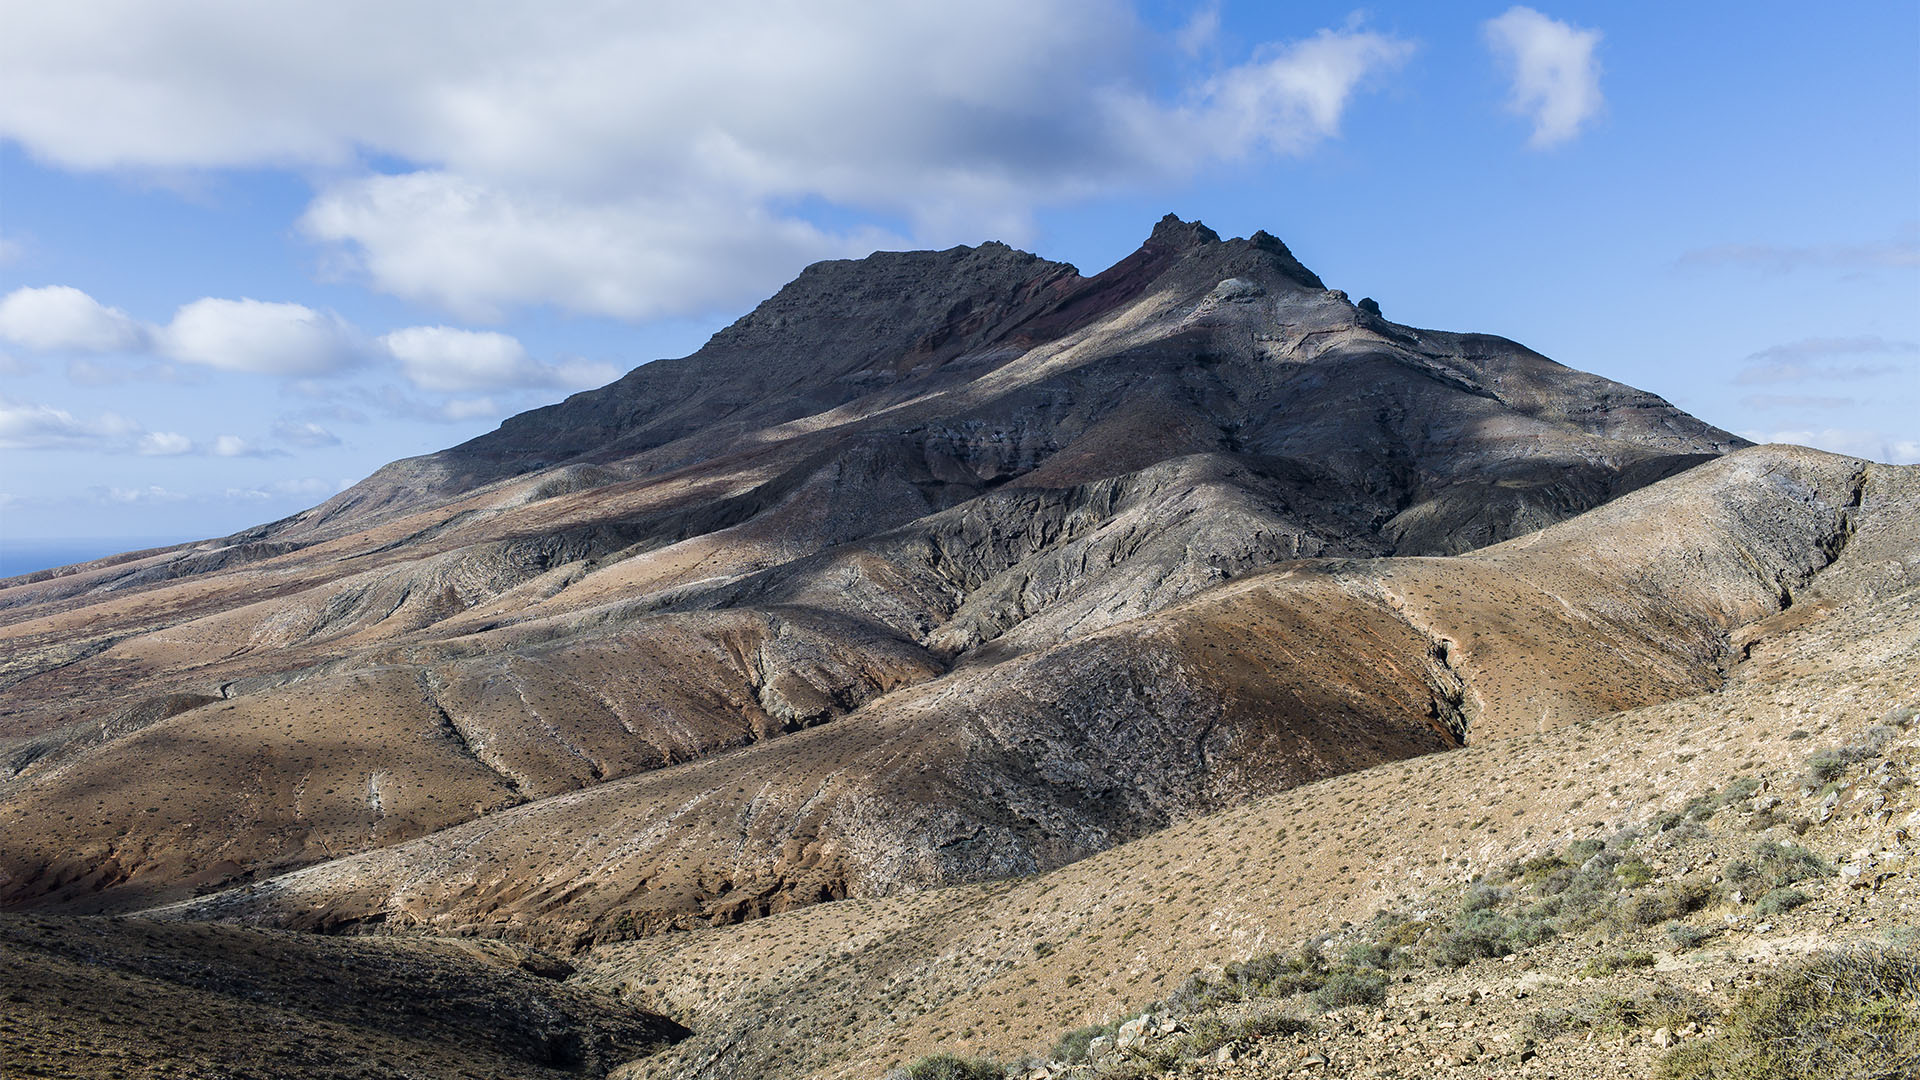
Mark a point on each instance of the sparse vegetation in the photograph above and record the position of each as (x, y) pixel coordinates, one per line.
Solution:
(1612, 962)
(1214, 1032)
(1787, 863)
(1777, 901)
(1658, 1005)
(1351, 988)
(1686, 937)
(1071, 1047)
(949, 1067)
(1846, 1015)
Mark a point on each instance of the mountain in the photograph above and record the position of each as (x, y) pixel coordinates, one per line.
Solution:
(1023, 545)
(952, 651)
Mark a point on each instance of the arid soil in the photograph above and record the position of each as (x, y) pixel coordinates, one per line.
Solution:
(957, 652)
(852, 598)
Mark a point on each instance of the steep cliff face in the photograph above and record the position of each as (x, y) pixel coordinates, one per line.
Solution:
(937, 565)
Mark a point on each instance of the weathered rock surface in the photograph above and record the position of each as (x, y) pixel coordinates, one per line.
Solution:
(1311, 669)
(97, 997)
(938, 565)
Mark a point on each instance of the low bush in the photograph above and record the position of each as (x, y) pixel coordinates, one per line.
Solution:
(1684, 936)
(1654, 1006)
(1370, 954)
(1634, 873)
(1778, 901)
(1849, 1015)
(1675, 900)
(949, 1067)
(1484, 934)
(1827, 766)
(1071, 1047)
(1216, 1032)
(1351, 988)
(1784, 864)
(1613, 962)
(1269, 974)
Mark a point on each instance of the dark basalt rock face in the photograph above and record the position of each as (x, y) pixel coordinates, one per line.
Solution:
(870, 334)
(893, 582)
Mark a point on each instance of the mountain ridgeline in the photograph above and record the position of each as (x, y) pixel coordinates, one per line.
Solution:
(936, 567)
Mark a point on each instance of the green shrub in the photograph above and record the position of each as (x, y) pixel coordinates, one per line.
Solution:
(1850, 1015)
(1216, 1032)
(1827, 766)
(1659, 1005)
(1370, 954)
(1784, 864)
(1484, 934)
(1677, 899)
(1778, 901)
(1402, 935)
(1633, 873)
(949, 1067)
(1613, 962)
(1701, 807)
(1687, 937)
(1268, 974)
(1071, 1047)
(1581, 850)
(1482, 897)
(1351, 988)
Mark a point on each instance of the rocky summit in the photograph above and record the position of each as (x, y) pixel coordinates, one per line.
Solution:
(768, 676)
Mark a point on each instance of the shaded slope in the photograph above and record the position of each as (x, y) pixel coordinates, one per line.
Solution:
(134, 998)
(896, 475)
(849, 989)
(1309, 670)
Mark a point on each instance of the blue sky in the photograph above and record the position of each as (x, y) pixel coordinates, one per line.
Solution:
(250, 252)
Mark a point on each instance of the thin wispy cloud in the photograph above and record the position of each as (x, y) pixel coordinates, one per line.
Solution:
(1200, 31)
(1819, 359)
(304, 433)
(1854, 442)
(26, 425)
(1900, 253)
(1555, 72)
(1797, 401)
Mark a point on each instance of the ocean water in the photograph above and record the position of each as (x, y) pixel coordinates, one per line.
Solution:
(26, 556)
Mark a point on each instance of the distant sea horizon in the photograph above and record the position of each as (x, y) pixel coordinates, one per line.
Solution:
(44, 553)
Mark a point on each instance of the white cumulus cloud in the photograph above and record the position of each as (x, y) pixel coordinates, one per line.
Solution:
(1556, 76)
(165, 444)
(258, 336)
(445, 358)
(61, 318)
(644, 160)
